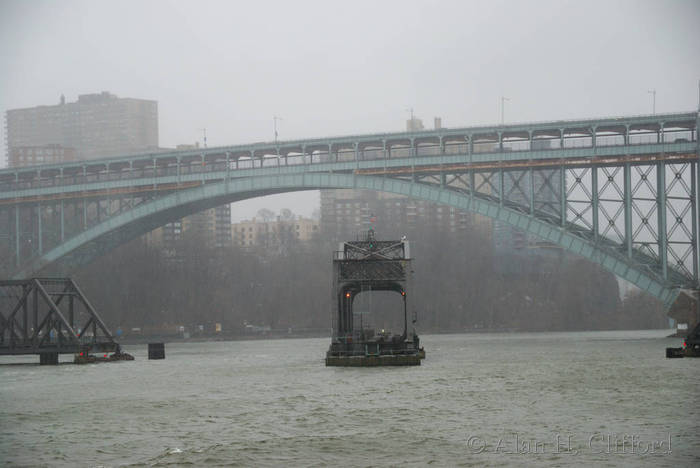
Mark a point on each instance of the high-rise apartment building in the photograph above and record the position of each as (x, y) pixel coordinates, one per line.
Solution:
(95, 126)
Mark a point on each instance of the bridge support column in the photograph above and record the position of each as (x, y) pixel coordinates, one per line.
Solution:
(628, 208)
(594, 201)
(35, 310)
(178, 168)
(531, 181)
(695, 197)
(472, 186)
(562, 195)
(25, 313)
(17, 235)
(661, 217)
(500, 185)
(63, 221)
(40, 238)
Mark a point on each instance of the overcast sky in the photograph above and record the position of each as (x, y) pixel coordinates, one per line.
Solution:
(332, 68)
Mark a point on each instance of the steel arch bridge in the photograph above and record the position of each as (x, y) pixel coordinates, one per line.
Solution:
(622, 192)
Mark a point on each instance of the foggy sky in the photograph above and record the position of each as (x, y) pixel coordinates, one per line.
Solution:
(333, 68)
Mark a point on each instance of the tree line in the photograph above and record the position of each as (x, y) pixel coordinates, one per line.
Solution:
(455, 287)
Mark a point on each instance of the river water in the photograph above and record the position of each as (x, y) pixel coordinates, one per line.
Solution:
(540, 399)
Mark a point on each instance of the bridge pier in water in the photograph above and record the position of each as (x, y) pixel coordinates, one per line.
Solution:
(368, 265)
(48, 359)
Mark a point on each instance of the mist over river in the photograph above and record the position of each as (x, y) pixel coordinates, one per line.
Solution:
(526, 399)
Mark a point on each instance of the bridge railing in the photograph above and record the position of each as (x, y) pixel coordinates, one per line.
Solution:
(145, 170)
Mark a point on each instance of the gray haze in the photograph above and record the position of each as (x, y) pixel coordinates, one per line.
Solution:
(330, 68)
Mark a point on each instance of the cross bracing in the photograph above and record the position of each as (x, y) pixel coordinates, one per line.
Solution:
(620, 191)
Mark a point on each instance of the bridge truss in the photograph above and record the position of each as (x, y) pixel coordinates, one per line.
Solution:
(622, 192)
(48, 316)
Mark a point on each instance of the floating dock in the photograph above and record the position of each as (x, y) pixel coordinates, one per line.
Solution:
(364, 266)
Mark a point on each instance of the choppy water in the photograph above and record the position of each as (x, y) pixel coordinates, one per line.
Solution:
(561, 397)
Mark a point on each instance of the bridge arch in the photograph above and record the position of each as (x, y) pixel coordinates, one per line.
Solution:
(148, 216)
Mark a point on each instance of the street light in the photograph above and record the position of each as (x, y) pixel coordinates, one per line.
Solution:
(503, 104)
(274, 121)
(204, 136)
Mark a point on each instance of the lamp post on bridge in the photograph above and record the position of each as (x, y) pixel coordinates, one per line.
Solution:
(503, 104)
(653, 100)
(274, 122)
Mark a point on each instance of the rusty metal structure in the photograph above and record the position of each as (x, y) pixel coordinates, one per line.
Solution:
(50, 316)
(368, 265)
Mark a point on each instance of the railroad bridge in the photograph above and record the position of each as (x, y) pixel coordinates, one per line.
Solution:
(619, 191)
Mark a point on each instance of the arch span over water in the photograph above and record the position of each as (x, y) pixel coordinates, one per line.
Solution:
(146, 217)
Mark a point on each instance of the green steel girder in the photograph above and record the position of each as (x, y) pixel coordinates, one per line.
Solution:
(355, 143)
(146, 216)
(553, 155)
(545, 205)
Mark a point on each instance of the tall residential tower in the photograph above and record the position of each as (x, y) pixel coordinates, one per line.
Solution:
(95, 126)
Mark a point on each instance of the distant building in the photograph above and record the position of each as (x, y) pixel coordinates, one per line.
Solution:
(187, 146)
(35, 155)
(273, 234)
(212, 227)
(95, 126)
(414, 124)
(346, 212)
